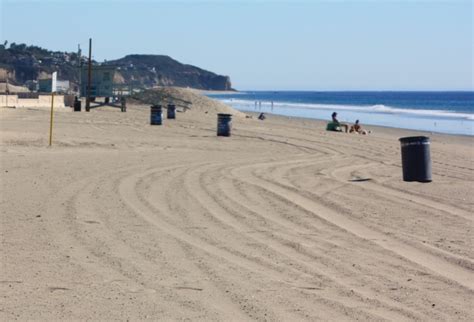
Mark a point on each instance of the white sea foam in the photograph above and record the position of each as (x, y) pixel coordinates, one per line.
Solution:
(379, 108)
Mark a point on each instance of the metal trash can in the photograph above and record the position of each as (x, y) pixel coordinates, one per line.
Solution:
(224, 124)
(156, 115)
(77, 105)
(416, 159)
(123, 104)
(88, 105)
(171, 111)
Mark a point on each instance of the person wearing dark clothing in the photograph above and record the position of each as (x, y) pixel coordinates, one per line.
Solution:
(335, 125)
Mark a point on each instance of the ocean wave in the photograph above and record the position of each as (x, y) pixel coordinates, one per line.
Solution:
(378, 108)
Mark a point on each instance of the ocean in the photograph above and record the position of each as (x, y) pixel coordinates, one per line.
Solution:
(443, 112)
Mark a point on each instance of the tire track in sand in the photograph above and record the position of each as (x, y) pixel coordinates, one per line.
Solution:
(343, 176)
(455, 273)
(336, 263)
(153, 216)
(343, 173)
(284, 246)
(102, 249)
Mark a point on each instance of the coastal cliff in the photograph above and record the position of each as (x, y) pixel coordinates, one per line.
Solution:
(26, 64)
(161, 70)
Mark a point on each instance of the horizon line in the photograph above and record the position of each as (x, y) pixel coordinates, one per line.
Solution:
(355, 90)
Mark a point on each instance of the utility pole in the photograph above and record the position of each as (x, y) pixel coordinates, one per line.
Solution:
(89, 78)
(79, 66)
(7, 89)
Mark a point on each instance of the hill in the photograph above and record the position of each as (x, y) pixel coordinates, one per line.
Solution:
(28, 63)
(161, 70)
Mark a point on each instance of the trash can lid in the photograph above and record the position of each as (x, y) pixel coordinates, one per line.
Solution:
(414, 139)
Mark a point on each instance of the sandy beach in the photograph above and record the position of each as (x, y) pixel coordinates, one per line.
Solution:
(282, 221)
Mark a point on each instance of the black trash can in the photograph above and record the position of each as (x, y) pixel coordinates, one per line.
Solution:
(416, 159)
(171, 111)
(88, 105)
(156, 115)
(77, 105)
(224, 124)
(123, 104)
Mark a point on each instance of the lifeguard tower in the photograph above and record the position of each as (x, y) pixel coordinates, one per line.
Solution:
(97, 81)
(102, 81)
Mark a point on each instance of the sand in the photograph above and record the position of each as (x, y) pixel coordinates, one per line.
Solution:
(121, 220)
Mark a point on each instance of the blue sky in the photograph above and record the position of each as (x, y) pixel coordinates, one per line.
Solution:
(293, 45)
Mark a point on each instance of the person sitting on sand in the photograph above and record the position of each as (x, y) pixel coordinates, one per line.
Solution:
(262, 116)
(335, 125)
(356, 128)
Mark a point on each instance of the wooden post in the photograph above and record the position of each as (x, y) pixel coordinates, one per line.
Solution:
(89, 78)
(51, 120)
(53, 90)
(7, 90)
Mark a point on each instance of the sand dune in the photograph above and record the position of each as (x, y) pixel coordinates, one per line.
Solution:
(281, 221)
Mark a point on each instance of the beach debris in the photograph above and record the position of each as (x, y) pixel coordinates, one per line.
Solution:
(91, 222)
(188, 288)
(311, 288)
(52, 289)
(360, 179)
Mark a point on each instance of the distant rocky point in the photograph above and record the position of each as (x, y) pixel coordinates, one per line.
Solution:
(160, 70)
(26, 64)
